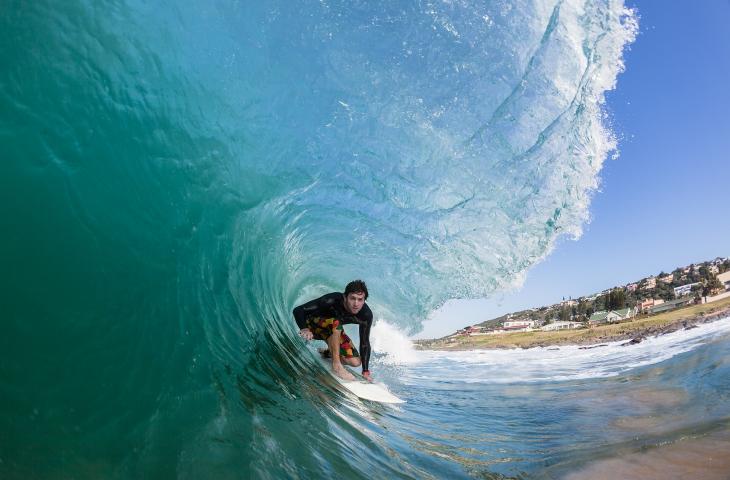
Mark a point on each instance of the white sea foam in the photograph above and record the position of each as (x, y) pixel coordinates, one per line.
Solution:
(564, 363)
(393, 345)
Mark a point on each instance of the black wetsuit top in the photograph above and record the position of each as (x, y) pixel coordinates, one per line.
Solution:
(332, 305)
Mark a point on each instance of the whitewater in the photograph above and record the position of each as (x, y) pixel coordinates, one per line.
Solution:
(176, 177)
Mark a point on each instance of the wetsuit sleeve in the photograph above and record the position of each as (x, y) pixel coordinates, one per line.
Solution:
(365, 340)
(314, 308)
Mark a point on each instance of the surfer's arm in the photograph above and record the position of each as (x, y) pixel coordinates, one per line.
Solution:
(313, 308)
(365, 345)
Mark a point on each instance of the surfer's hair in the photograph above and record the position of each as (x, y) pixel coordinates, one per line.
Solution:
(356, 286)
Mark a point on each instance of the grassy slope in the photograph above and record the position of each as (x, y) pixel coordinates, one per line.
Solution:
(652, 325)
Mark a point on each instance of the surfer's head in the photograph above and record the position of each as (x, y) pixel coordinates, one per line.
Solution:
(356, 292)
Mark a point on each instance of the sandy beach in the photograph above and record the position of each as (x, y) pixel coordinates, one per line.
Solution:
(693, 456)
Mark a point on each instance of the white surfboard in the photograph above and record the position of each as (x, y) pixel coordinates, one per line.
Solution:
(370, 391)
(376, 392)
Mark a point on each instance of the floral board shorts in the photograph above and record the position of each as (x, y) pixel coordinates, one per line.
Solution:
(322, 329)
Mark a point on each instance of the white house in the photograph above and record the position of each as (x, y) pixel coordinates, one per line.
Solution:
(624, 313)
(684, 289)
(612, 316)
(560, 326)
(519, 324)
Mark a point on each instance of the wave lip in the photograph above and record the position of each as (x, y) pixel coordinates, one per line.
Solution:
(450, 146)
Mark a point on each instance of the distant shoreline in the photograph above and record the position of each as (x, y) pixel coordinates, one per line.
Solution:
(632, 332)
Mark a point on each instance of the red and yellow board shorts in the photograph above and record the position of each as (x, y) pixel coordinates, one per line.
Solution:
(323, 328)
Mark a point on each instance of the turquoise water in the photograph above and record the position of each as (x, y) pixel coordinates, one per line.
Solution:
(174, 178)
(548, 413)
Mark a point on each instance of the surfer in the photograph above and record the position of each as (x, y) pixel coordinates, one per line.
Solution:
(323, 319)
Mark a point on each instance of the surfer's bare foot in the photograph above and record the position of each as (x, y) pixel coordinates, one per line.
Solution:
(341, 372)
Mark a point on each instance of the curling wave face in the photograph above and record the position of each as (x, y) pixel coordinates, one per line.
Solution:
(177, 177)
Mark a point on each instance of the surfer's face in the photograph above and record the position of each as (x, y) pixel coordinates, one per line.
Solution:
(354, 302)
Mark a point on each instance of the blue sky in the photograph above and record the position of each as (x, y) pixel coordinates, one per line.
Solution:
(664, 202)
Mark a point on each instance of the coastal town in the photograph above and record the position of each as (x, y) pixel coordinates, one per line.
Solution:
(692, 285)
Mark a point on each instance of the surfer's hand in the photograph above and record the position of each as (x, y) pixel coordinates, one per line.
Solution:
(367, 375)
(306, 334)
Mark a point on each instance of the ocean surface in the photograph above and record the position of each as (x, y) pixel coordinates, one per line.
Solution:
(176, 176)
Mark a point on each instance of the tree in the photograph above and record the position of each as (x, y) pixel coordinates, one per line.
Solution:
(677, 275)
(725, 266)
(704, 272)
(616, 299)
(712, 285)
(663, 291)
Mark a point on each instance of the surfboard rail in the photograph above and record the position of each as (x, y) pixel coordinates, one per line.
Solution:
(373, 391)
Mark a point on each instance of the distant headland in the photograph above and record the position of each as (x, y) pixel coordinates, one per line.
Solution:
(662, 303)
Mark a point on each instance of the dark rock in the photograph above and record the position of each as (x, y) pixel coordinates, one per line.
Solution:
(633, 341)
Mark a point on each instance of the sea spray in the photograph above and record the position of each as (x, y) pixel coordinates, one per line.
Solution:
(393, 347)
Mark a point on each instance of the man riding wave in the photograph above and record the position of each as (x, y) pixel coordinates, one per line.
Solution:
(323, 319)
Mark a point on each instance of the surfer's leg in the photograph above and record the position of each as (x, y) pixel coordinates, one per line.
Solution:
(334, 342)
(352, 361)
(348, 353)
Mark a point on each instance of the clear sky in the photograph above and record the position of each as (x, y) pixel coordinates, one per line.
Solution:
(664, 202)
